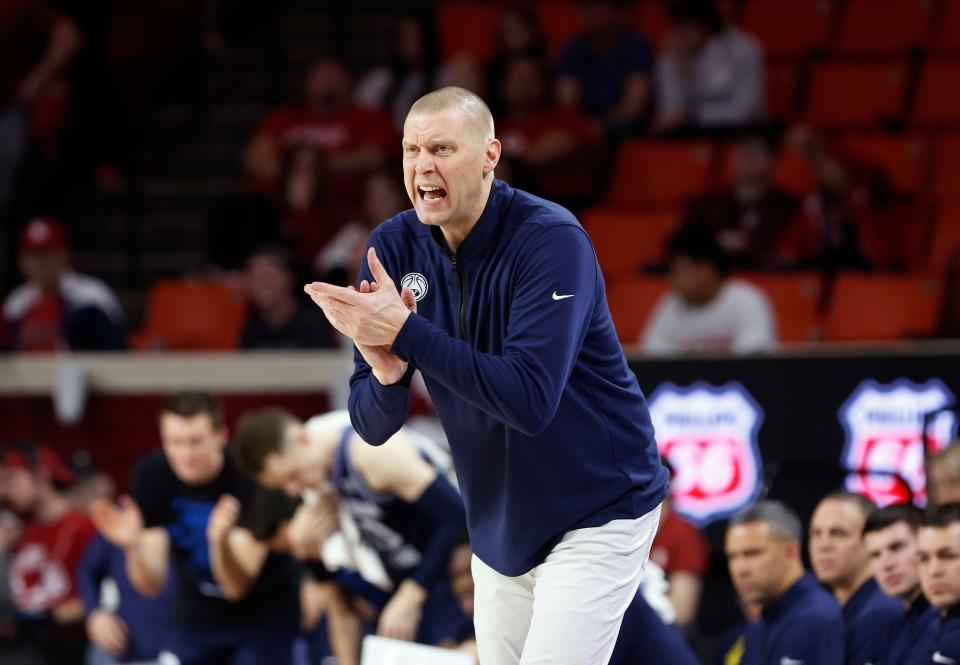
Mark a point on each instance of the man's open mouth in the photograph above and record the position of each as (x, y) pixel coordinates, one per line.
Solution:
(428, 193)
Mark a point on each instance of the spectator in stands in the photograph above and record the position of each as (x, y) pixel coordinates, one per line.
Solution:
(52, 538)
(517, 34)
(550, 150)
(839, 559)
(890, 536)
(749, 218)
(606, 71)
(800, 622)
(234, 599)
(57, 308)
(122, 625)
(707, 310)
(403, 515)
(710, 75)
(409, 75)
(938, 554)
(278, 319)
(943, 475)
(681, 551)
(25, 71)
(351, 140)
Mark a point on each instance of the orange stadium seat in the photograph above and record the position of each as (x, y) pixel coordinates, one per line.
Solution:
(650, 173)
(796, 301)
(631, 303)
(560, 20)
(466, 28)
(946, 239)
(791, 172)
(191, 315)
(625, 240)
(789, 27)
(882, 306)
(938, 95)
(903, 158)
(948, 38)
(884, 27)
(946, 182)
(846, 95)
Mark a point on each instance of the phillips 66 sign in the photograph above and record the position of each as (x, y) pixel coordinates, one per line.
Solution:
(884, 437)
(709, 436)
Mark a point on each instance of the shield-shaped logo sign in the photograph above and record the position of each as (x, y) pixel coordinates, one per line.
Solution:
(884, 437)
(709, 436)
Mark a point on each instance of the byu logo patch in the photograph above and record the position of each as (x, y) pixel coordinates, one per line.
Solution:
(416, 283)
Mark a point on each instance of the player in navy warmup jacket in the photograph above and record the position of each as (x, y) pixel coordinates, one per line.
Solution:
(938, 553)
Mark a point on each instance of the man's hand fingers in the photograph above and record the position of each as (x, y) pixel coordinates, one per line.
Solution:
(376, 268)
(323, 290)
(409, 300)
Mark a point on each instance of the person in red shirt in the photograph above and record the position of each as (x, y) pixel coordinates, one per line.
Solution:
(350, 140)
(681, 550)
(52, 540)
(551, 150)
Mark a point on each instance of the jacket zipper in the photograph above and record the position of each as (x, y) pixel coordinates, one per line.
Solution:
(462, 317)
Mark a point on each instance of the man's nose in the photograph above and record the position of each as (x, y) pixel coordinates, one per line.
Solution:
(425, 162)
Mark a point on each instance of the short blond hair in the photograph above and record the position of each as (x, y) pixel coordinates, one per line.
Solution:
(461, 99)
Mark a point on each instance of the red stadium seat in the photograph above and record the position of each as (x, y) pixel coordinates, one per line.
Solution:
(938, 95)
(650, 173)
(191, 315)
(650, 18)
(884, 27)
(948, 38)
(467, 28)
(946, 182)
(796, 301)
(903, 158)
(560, 21)
(781, 86)
(946, 239)
(625, 240)
(789, 27)
(631, 303)
(845, 95)
(882, 306)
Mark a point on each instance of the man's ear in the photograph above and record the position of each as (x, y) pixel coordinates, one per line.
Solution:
(492, 156)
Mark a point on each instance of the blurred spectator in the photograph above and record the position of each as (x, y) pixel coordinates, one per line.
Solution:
(800, 622)
(122, 625)
(681, 551)
(25, 71)
(890, 536)
(607, 69)
(707, 310)
(839, 559)
(53, 537)
(710, 75)
(517, 34)
(943, 475)
(550, 150)
(57, 308)
(749, 219)
(350, 140)
(234, 600)
(338, 261)
(411, 73)
(938, 553)
(278, 319)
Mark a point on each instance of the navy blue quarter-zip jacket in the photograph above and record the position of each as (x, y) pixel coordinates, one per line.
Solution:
(548, 428)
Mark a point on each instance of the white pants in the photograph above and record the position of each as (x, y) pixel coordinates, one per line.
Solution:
(567, 610)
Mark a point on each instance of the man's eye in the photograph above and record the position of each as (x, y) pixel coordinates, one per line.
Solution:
(411, 150)
(443, 149)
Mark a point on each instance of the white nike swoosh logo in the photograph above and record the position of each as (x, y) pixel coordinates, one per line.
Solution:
(556, 297)
(940, 658)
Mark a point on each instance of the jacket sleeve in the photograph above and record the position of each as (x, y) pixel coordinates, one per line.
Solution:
(91, 570)
(552, 300)
(376, 411)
